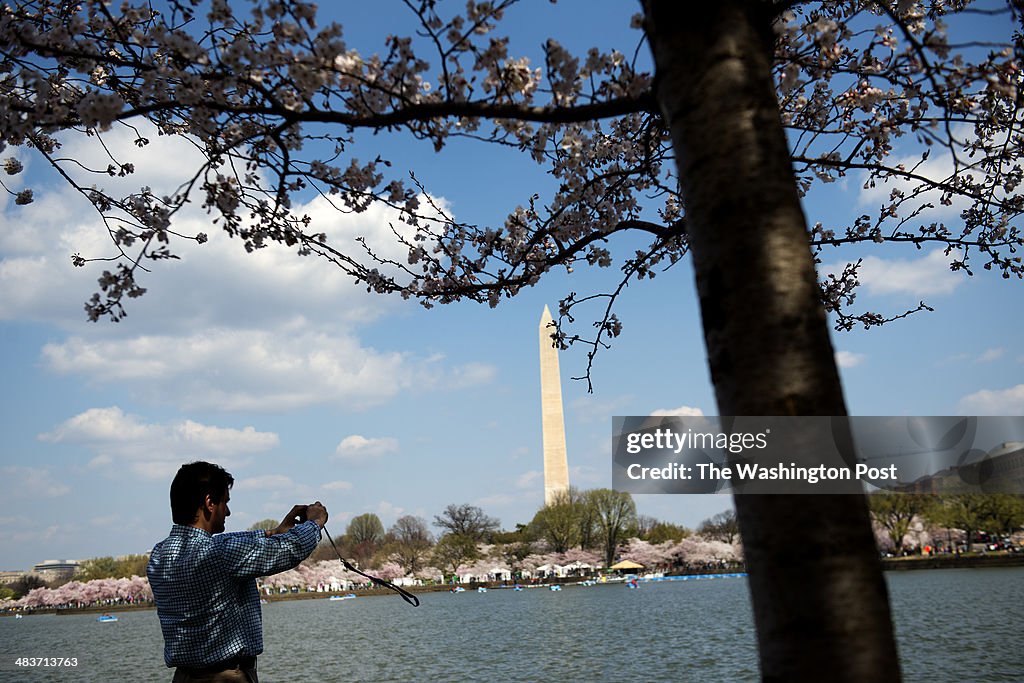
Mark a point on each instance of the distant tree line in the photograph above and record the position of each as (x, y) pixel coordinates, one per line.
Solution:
(96, 568)
(602, 521)
(996, 514)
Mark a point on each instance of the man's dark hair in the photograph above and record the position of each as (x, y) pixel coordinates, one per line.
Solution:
(193, 482)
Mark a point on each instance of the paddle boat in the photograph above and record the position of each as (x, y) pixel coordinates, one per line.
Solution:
(106, 618)
(457, 589)
(555, 587)
(347, 596)
(481, 589)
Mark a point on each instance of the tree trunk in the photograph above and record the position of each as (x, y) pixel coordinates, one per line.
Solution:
(819, 599)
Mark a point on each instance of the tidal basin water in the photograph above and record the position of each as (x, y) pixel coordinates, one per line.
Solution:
(952, 625)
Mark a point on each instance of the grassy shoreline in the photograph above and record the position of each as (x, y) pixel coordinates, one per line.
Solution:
(963, 561)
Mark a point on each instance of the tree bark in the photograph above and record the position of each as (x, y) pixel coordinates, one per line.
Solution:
(819, 599)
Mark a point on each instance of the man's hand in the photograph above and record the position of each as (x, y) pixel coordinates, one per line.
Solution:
(301, 513)
(318, 513)
(297, 514)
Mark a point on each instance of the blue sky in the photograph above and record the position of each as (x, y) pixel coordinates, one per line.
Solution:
(307, 388)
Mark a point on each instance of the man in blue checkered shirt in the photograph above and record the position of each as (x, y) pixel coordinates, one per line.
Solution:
(204, 581)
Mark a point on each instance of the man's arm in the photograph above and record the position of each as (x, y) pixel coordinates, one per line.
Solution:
(297, 514)
(257, 553)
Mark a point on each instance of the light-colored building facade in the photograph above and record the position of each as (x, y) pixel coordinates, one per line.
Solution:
(51, 570)
(7, 578)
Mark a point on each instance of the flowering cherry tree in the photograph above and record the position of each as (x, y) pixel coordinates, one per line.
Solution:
(578, 555)
(429, 575)
(273, 99)
(389, 571)
(323, 575)
(652, 556)
(697, 551)
(84, 594)
(748, 105)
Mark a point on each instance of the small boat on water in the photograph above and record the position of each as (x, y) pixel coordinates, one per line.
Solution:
(555, 587)
(106, 618)
(348, 596)
(458, 589)
(481, 589)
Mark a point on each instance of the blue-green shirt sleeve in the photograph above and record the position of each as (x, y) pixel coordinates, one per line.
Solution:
(251, 554)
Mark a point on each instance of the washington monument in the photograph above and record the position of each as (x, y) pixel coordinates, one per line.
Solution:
(556, 468)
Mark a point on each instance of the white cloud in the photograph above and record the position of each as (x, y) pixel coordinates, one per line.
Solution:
(30, 483)
(266, 482)
(681, 411)
(937, 168)
(529, 479)
(357, 447)
(497, 500)
(389, 511)
(100, 425)
(928, 275)
(586, 477)
(989, 355)
(107, 522)
(101, 461)
(21, 530)
(236, 369)
(214, 283)
(339, 485)
(589, 408)
(158, 165)
(155, 450)
(994, 402)
(224, 329)
(217, 283)
(520, 452)
(956, 359)
(472, 374)
(848, 359)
